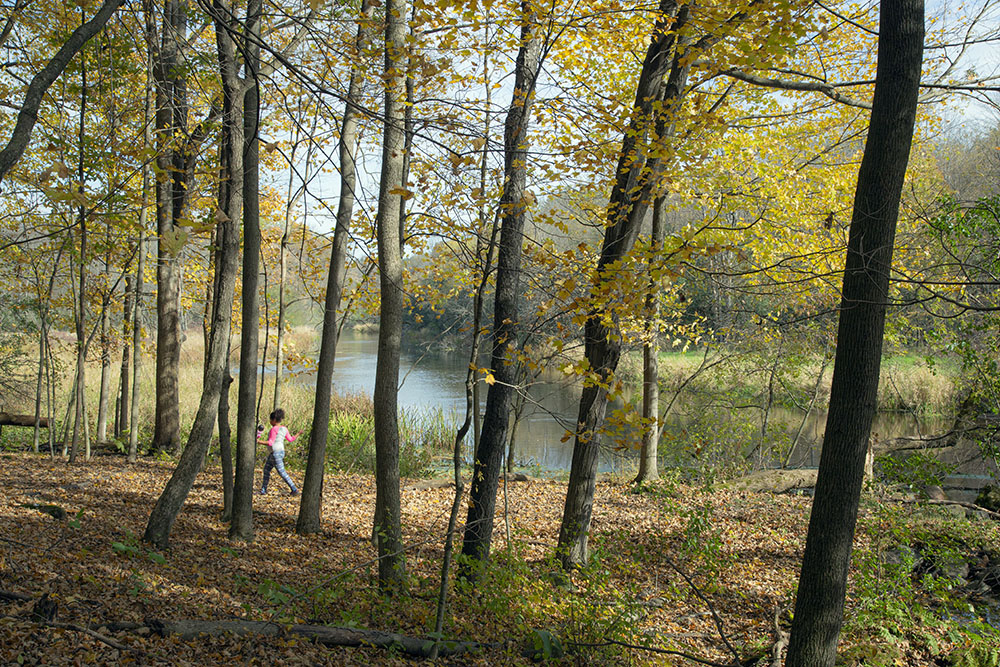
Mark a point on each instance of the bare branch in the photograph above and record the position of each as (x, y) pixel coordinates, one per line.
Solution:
(830, 90)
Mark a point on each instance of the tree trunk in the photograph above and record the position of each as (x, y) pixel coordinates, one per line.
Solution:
(103, 399)
(227, 266)
(133, 431)
(312, 487)
(241, 526)
(81, 309)
(648, 470)
(171, 123)
(513, 211)
(42, 334)
(45, 357)
(635, 181)
(170, 501)
(121, 414)
(392, 563)
(819, 605)
(226, 444)
(484, 254)
(279, 359)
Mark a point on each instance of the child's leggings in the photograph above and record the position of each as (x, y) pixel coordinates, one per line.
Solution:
(276, 460)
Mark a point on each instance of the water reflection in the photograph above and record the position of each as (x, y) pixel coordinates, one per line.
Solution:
(437, 381)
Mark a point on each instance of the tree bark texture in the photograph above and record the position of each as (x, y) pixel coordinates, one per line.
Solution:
(392, 563)
(241, 525)
(662, 79)
(79, 420)
(819, 605)
(171, 192)
(312, 486)
(133, 430)
(648, 469)
(226, 445)
(103, 399)
(513, 211)
(121, 413)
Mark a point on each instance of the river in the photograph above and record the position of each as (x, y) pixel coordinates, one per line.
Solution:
(433, 380)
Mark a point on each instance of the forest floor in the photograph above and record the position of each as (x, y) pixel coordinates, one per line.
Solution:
(741, 551)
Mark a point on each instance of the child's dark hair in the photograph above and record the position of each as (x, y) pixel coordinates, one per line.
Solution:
(278, 415)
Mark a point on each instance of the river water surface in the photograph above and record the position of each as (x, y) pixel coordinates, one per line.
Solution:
(433, 381)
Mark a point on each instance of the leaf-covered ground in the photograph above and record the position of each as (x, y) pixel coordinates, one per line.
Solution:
(740, 549)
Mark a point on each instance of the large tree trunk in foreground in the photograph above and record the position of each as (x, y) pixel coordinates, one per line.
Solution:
(392, 562)
(312, 486)
(241, 526)
(629, 202)
(171, 193)
(227, 266)
(513, 209)
(819, 606)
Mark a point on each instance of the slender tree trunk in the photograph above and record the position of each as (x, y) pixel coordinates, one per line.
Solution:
(81, 314)
(210, 288)
(121, 413)
(226, 444)
(392, 562)
(662, 79)
(648, 469)
(172, 498)
(104, 397)
(133, 432)
(45, 356)
(42, 333)
(241, 525)
(312, 487)
(819, 606)
(279, 358)
(513, 211)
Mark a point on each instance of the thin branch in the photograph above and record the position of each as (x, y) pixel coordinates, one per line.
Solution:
(827, 89)
(96, 635)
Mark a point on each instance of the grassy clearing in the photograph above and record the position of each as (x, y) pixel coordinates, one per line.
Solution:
(908, 383)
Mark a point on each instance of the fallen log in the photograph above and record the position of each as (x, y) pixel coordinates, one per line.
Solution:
(7, 419)
(10, 596)
(324, 634)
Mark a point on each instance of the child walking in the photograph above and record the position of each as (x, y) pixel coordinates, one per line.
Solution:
(276, 459)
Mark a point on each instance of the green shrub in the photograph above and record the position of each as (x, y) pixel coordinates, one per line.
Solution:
(351, 446)
(916, 470)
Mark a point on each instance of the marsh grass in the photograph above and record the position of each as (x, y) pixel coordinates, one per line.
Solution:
(350, 443)
(910, 383)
